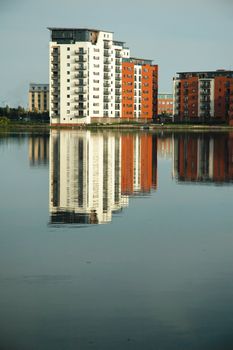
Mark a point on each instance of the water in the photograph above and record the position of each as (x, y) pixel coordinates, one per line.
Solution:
(116, 241)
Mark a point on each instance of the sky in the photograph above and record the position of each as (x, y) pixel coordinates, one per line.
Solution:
(179, 35)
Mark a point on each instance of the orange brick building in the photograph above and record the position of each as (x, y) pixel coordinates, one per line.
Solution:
(204, 96)
(165, 104)
(139, 89)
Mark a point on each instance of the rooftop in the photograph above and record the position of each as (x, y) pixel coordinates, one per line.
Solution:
(79, 29)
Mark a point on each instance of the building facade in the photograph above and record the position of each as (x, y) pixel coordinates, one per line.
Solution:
(86, 77)
(204, 95)
(139, 89)
(165, 104)
(38, 98)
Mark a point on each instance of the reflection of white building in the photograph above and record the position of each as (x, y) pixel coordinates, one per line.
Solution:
(85, 177)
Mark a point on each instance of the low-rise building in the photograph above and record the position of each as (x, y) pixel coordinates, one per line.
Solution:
(38, 98)
(165, 104)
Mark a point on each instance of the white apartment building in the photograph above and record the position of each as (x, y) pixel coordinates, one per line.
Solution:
(85, 75)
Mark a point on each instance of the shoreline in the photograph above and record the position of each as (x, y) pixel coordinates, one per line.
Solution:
(141, 127)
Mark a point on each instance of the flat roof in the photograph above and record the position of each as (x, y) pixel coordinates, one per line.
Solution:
(81, 29)
(211, 71)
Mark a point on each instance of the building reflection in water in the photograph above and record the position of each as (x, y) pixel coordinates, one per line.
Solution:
(203, 158)
(38, 150)
(92, 175)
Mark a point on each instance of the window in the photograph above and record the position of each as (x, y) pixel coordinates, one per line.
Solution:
(68, 96)
(96, 81)
(68, 64)
(68, 72)
(68, 56)
(68, 88)
(68, 103)
(96, 112)
(68, 48)
(96, 104)
(68, 112)
(68, 80)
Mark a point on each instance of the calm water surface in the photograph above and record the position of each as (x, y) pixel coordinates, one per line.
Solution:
(116, 241)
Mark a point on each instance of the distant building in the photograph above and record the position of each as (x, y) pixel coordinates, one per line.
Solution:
(38, 98)
(204, 95)
(165, 104)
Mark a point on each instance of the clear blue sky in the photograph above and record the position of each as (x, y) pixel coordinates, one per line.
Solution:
(179, 35)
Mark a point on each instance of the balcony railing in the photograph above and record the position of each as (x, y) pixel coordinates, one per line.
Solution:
(77, 83)
(80, 59)
(81, 75)
(80, 52)
(82, 107)
(80, 67)
(80, 91)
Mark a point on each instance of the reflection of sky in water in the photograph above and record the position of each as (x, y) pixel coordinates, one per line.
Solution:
(159, 275)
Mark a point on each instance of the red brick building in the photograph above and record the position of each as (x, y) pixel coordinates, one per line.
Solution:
(204, 96)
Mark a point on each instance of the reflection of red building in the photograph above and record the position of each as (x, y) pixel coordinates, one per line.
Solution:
(139, 163)
(204, 157)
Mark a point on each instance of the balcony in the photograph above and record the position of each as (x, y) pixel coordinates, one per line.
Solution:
(118, 92)
(118, 54)
(118, 62)
(80, 52)
(81, 75)
(80, 91)
(118, 85)
(107, 76)
(80, 59)
(107, 69)
(118, 77)
(107, 99)
(106, 84)
(80, 67)
(107, 61)
(80, 99)
(118, 100)
(107, 45)
(77, 83)
(107, 53)
(81, 107)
